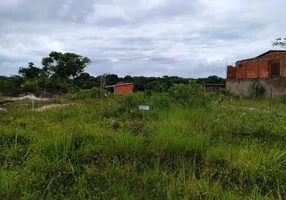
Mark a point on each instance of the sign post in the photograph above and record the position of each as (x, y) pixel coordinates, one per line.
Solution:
(143, 108)
(33, 105)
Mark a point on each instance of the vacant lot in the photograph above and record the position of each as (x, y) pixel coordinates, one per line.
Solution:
(182, 150)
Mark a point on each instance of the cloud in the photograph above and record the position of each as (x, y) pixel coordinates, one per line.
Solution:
(142, 37)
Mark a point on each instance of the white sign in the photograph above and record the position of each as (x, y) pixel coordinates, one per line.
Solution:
(143, 107)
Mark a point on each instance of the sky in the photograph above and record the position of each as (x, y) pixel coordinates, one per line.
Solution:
(187, 38)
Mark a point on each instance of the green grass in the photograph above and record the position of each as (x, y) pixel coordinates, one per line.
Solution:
(276, 103)
(102, 150)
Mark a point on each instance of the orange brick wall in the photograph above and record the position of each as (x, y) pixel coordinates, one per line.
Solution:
(241, 70)
(252, 69)
(123, 89)
(231, 72)
(284, 67)
(264, 69)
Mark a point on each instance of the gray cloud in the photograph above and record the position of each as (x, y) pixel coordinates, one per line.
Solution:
(143, 37)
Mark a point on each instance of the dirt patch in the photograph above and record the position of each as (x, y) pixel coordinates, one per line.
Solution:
(46, 95)
(52, 106)
(31, 97)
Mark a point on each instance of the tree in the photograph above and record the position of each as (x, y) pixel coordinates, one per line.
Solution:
(214, 80)
(111, 79)
(280, 43)
(139, 83)
(210, 80)
(86, 81)
(128, 79)
(31, 72)
(10, 85)
(65, 65)
(161, 87)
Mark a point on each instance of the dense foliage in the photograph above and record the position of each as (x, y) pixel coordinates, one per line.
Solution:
(62, 72)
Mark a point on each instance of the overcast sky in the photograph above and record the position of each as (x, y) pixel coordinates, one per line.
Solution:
(189, 38)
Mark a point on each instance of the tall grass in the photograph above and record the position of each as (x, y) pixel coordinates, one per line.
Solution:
(180, 151)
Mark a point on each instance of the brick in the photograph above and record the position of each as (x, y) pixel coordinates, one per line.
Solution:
(264, 69)
(284, 67)
(123, 89)
(231, 72)
(241, 69)
(252, 69)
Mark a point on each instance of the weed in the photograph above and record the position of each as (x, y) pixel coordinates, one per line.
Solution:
(186, 148)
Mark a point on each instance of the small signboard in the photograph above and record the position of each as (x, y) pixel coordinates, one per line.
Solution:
(143, 107)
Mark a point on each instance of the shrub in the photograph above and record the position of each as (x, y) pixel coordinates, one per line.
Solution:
(111, 108)
(191, 95)
(225, 92)
(282, 99)
(256, 90)
(131, 101)
(98, 92)
(88, 94)
(31, 86)
(83, 94)
(160, 101)
(73, 89)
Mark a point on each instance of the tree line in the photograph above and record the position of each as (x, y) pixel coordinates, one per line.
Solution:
(64, 72)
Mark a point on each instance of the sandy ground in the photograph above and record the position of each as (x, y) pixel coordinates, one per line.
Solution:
(52, 106)
(32, 97)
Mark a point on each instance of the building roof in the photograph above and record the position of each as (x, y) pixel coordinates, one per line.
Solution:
(212, 84)
(261, 55)
(118, 85)
(271, 51)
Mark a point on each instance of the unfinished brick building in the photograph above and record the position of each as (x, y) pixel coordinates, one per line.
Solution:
(269, 68)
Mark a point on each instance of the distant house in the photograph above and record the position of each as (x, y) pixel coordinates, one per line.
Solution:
(122, 88)
(269, 68)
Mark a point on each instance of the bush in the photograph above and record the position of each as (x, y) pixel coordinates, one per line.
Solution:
(31, 86)
(83, 94)
(73, 89)
(282, 99)
(111, 108)
(160, 101)
(98, 92)
(191, 95)
(88, 94)
(225, 92)
(132, 101)
(256, 90)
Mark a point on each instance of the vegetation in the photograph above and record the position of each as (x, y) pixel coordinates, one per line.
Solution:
(280, 42)
(256, 90)
(188, 147)
(62, 73)
(98, 147)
